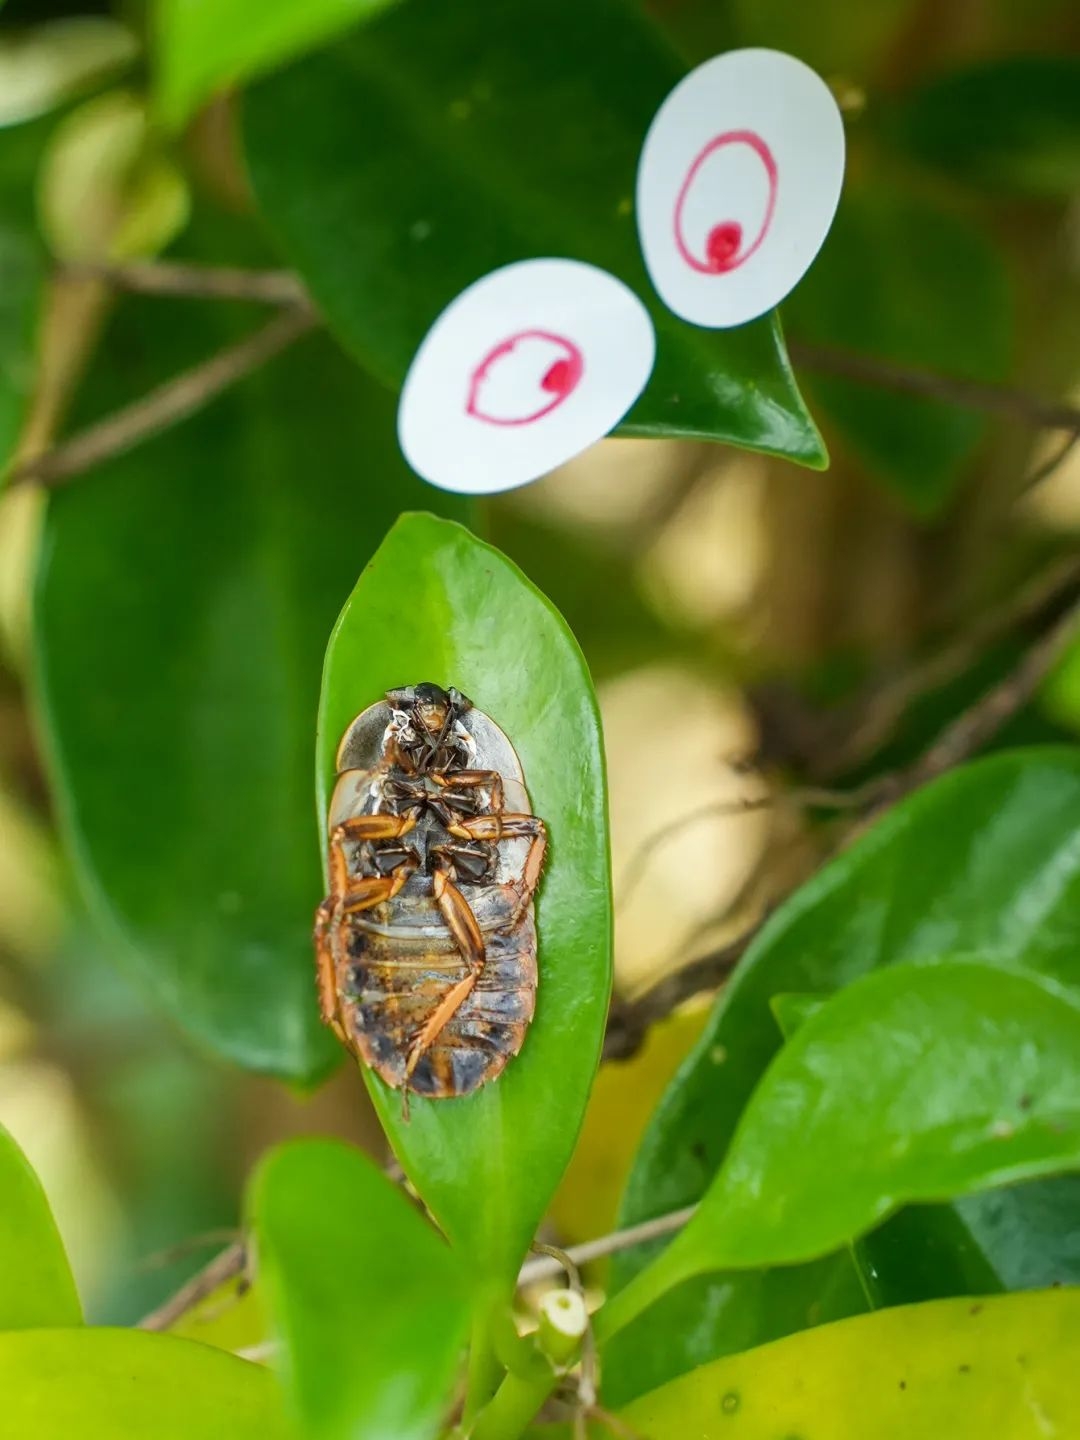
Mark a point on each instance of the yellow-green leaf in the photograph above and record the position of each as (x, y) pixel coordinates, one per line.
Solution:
(92, 1384)
(36, 1287)
(949, 1370)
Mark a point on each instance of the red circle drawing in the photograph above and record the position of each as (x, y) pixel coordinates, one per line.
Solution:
(559, 380)
(724, 250)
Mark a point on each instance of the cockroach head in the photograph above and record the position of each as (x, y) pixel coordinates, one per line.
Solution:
(430, 708)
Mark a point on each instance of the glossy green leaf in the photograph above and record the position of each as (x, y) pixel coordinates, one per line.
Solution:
(1004, 1367)
(1009, 124)
(985, 860)
(207, 45)
(932, 293)
(440, 142)
(47, 65)
(917, 1082)
(791, 1011)
(1021, 1238)
(371, 1304)
(22, 282)
(708, 1316)
(121, 1384)
(36, 1286)
(437, 604)
(184, 596)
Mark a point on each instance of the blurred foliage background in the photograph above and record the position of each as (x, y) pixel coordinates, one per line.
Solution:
(754, 627)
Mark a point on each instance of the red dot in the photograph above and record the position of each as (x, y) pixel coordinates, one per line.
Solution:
(722, 246)
(563, 376)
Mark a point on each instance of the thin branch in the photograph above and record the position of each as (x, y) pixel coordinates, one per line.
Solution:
(968, 394)
(804, 797)
(198, 282)
(229, 1265)
(170, 403)
(549, 1266)
(1051, 464)
(976, 726)
(629, 1020)
(884, 708)
(169, 1256)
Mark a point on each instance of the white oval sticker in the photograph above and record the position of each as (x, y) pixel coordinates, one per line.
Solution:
(521, 372)
(738, 183)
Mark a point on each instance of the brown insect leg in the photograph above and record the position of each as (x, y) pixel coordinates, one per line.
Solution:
(474, 780)
(460, 921)
(366, 891)
(374, 827)
(437, 1021)
(324, 969)
(511, 827)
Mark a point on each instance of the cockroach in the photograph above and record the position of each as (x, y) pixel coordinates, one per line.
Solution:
(426, 944)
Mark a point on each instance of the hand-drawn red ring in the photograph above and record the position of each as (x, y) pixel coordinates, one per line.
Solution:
(559, 381)
(723, 243)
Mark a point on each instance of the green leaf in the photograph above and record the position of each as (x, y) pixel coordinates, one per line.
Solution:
(120, 1384)
(22, 282)
(984, 860)
(709, 1316)
(1003, 1367)
(838, 1134)
(1021, 1238)
(932, 293)
(36, 1286)
(440, 142)
(207, 45)
(791, 1011)
(437, 604)
(371, 1304)
(1011, 124)
(47, 65)
(184, 596)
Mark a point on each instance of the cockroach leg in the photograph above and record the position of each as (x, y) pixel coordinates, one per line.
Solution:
(511, 827)
(365, 891)
(460, 921)
(375, 827)
(473, 780)
(437, 1021)
(462, 924)
(325, 981)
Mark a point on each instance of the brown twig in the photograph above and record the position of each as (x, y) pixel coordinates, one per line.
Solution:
(968, 394)
(282, 287)
(978, 724)
(170, 403)
(629, 1020)
(807, 797)
(882, 710)
(1051, 464)
(172, 1253)
(230, 1264)
(552, 1263)
(199, 282)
